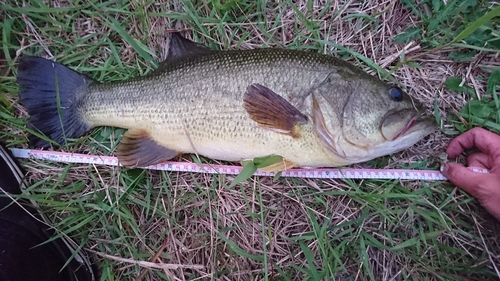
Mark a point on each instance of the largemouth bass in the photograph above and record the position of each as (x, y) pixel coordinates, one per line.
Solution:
(313, 110)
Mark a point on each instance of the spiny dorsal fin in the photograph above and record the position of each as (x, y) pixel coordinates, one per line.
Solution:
(138, 149)
(271, 111)
(181, 47)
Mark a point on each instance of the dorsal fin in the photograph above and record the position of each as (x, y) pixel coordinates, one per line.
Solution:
(181, 47)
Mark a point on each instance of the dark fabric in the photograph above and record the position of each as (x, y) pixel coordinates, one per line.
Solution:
(24, 255)
(9, 210)
(21, 259)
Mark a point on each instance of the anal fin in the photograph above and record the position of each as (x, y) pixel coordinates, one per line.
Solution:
(271, 111)
(138, 149)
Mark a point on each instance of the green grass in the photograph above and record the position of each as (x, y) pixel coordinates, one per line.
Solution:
(262, 228)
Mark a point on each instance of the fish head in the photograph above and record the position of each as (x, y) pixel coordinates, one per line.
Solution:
(367, 118)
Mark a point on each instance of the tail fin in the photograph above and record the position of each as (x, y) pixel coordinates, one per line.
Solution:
(51, 93)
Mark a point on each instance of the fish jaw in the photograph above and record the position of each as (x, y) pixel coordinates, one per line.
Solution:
(409, 136)
(416, 124)
(412, 137)
(357, 154)
(410, 124)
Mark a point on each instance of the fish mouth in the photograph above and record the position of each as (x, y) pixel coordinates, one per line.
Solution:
(417, 125)
(408, 126)
(398, 124)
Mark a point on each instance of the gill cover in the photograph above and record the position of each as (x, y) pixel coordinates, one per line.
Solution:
(326, 112)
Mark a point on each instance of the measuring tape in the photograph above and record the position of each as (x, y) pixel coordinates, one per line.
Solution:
(336, 173)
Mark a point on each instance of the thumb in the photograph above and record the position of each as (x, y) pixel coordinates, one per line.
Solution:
(464, 178)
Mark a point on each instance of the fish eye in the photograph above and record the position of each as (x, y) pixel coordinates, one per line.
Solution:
(396, 94)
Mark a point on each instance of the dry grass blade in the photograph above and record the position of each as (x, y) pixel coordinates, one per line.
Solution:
(150, 264)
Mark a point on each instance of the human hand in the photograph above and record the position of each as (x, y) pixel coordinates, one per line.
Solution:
(485, 187)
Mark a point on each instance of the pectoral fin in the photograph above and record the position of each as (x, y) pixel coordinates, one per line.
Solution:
(279, 166)
(271, 111)
(270, 163)
(138, 149)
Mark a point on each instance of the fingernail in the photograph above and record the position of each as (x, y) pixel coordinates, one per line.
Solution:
(444, 169)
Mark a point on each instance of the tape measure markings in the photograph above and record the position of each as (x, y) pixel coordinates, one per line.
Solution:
(335, 173)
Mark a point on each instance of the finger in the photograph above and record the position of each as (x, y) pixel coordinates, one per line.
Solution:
(464, 178)
(479, 159)
(491, 203)
(486, 141)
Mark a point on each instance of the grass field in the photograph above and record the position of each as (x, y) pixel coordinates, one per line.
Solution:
(150, 225)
